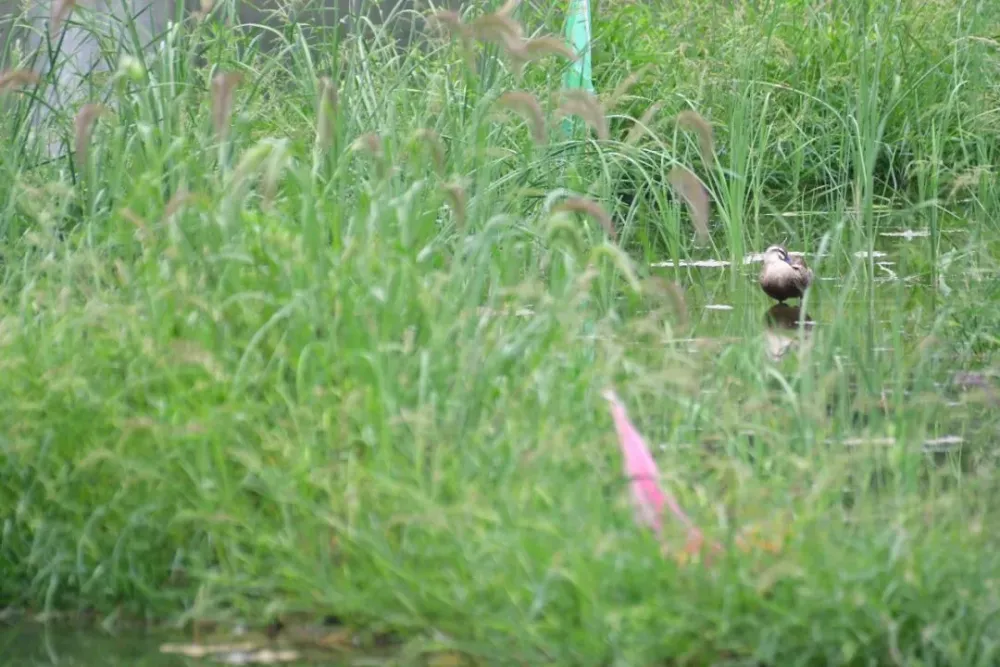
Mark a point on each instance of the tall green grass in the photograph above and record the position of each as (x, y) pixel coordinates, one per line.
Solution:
(344, 355)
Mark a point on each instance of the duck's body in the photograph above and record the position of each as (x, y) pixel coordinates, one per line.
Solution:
(784, 276)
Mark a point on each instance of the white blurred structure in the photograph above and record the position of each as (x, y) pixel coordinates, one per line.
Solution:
(74, 49)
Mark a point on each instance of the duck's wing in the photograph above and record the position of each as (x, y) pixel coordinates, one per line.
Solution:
(804, 273)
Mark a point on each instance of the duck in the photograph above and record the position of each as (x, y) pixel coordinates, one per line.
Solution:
(784, 276)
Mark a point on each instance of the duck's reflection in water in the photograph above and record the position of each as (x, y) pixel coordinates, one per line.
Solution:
(781, 324)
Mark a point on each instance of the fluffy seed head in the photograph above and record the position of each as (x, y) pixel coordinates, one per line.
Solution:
(547, 45)
(223, 86)
(640, 127)
(692, 120)
(457, 199)
(497, 28)
(371, 142)
(590, 208)
(451, 23)
(326, 114)
(526, 105)
(622, 88)
(583, 104)
(176, 202)
(693, 192)
(83, 124)
(204, 9)
(432, 140)
(60, 11)
(522, 52)
(13, 78)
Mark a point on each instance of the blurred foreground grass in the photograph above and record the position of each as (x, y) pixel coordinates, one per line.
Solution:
(346, 358)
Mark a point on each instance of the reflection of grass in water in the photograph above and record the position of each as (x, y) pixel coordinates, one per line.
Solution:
(34, 645)
(283, 393)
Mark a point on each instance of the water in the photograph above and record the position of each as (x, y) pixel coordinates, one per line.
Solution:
(33, 644)
(28, 644)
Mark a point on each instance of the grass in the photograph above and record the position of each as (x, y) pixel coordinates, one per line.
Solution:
(258, 360)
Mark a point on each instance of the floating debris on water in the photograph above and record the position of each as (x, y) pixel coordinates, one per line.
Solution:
(885, 267)
(858, 442)
(908, 234)
(932, 444)
(703, 263)
(752, 258)
(705, 340)
(718, 306)
(508, 312)
(244, 653)
(944, 442)
(966, 379)
(712, 263)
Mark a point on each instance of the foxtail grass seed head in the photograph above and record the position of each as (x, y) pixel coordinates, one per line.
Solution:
(15, 78)
(371, 143)
(508, 8)
(83, 124)
(204, 9)
(687, 185)
(590, 208)
(583, 104)
(264, 160)
(432, 140)
(693, 121)
(60, 11)
(274, 165)
(223, 88)
(622, 88)
(526, 105)
(141, 227)
(968, 179)
(326, 114)
(497, 28)
(457, 200)
(641, 127)
(522, 52)
(547, 45)
(176, 202)
(450, 23)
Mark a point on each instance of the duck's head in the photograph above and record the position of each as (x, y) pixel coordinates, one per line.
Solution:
(776, 253)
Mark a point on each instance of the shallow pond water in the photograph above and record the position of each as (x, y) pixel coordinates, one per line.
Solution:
(873, 326)
(32, 644)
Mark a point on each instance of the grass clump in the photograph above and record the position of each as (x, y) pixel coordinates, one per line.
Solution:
(320, 332)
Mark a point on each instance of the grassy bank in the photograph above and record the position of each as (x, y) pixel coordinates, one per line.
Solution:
(347, 358)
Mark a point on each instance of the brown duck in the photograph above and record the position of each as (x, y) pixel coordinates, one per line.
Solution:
(784, 276)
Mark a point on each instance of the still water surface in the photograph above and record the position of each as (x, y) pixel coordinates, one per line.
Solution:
(31, 644)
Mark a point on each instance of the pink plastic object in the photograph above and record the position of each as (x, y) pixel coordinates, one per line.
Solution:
(644, 477)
